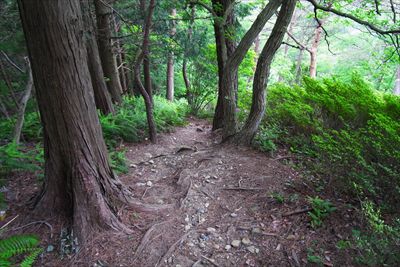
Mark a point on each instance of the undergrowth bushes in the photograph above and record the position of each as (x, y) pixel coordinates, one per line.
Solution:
(128, 124)
(352, 133)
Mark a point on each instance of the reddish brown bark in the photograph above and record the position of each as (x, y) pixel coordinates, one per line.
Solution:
(79, 182)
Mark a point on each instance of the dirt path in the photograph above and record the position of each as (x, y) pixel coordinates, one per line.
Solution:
(212, 207)
(221, 212)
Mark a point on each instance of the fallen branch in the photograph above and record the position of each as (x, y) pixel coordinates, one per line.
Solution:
(296, 212)
(13, 219)
(243, 189)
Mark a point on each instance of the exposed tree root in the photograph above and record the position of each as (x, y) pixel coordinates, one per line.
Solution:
(172, 248)
(146, 238)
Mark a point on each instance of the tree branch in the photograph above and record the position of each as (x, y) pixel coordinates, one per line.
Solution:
(353, 18)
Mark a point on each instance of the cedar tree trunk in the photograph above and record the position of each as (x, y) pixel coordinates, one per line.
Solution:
(101, 95)
(108, 59)
(246, 135)
(146, 50)
(79, 182)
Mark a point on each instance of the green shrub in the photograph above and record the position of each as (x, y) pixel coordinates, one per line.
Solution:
(13, 159)
(320, 210)
(380, 245)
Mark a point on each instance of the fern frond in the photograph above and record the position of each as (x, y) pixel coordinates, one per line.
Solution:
(16, 245)
(30, 259)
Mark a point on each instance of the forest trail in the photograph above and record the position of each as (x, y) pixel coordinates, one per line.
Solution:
(213, 205)
(221, 210)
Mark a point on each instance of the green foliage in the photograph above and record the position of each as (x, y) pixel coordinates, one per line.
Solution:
(118, 161)
(350, 130)
(380, 245)
(312, 257)
(17, 246)
(130, 124)
(320, 210)
(12, 158)
(278, 197)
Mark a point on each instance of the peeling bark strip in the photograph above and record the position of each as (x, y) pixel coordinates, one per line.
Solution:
(108, 59)
(79, 182)
(246, 135)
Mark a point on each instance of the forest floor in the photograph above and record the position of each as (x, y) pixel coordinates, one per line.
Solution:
(214, 208)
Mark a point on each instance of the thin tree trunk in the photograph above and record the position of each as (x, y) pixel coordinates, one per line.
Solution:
(117, 43)
(4, 110)
(397, 83)
(79, 183)
(298, 66)
(101, 94)
(147, 100)
(246, 135)
(146, 49)
(9, 85)
(24, 101)
(314, 51)
(189, 95)
(108, 58)
(170, 64)
(232, 65)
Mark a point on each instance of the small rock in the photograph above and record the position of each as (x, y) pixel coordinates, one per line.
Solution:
(187, 227)
(170, 260)
(148, 155)
(207, 205)
(160, 201)
(133, 166)
(228, 247)
(187, 219)
(140, 184)
(246, 241)
(50, 248)
(202, 245)
(217, 247)
(253, 249)
(214, 177)
(207, 177)
(278, 247)
(256, 230)
(153, 170)
(149, 183)
(151, 161)
(190, 244)
(234, 215)
(236, 243)
(211, 230)
(178, 265)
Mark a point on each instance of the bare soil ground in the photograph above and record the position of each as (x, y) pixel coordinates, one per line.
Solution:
(214, 208)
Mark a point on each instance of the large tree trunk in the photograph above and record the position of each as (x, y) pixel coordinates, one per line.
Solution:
(397, 83)
(246, 135)
(108, 59)
(146, 49)
(24, 102)
(79, 182)
(232, 65)
(170, 64)
(101, 95)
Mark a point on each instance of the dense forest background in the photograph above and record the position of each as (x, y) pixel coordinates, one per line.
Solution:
(313, 83)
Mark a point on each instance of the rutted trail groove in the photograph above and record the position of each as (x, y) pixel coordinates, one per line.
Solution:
(212, 206)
